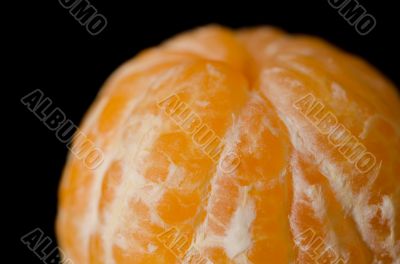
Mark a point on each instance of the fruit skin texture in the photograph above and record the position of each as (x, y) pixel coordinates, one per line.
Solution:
(291, 185)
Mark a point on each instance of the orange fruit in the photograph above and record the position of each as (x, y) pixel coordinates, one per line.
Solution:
(248, 146)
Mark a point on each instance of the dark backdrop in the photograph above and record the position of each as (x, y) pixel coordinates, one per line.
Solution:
(56, 54)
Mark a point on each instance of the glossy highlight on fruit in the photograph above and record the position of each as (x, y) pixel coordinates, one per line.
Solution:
(315, 138)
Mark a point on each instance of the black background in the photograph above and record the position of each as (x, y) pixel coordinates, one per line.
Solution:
(57, 55)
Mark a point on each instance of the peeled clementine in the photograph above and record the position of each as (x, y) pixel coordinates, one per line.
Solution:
(249, 146)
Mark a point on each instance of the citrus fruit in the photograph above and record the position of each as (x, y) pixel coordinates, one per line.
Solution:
(247, 146)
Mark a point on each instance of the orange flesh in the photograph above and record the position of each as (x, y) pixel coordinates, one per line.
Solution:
(159, 197)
